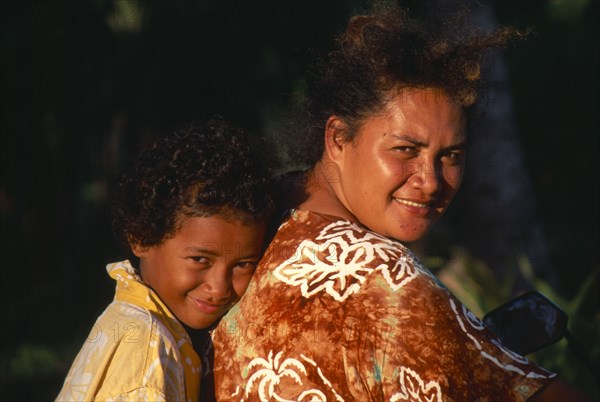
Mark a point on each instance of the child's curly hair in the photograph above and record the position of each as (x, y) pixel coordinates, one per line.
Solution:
(385, 52)
(198, 171)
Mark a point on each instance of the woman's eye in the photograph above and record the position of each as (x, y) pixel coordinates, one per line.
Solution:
(405, 151)
(454, 157)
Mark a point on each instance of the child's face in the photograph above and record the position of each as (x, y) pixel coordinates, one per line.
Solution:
(202, 271)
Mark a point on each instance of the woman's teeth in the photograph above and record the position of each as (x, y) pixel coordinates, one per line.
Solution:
(411, 203)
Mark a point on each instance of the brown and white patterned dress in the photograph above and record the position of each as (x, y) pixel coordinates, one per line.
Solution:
(336, 312)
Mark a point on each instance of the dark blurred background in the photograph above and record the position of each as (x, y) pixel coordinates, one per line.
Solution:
(84, 84)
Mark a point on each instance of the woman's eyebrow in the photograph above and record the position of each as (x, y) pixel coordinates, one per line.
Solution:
(460, 145)
(418, 142)
(404, 137)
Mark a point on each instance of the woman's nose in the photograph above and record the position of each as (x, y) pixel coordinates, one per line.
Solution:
(427, 178)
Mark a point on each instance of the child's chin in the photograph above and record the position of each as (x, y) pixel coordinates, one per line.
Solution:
(200, 326)
(204, 324)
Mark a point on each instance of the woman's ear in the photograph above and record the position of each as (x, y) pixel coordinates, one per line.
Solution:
(335, 137)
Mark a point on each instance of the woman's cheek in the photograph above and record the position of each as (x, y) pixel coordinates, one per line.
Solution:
(453, 175)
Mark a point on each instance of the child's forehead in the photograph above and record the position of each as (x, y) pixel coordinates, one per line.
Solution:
(220, 235)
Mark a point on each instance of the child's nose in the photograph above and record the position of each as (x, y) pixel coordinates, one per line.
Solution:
(218, 285)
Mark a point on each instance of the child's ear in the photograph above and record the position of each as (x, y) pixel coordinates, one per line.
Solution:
(138, 250)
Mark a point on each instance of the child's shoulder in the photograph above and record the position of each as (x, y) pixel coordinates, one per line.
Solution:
(137, 342)
(136, 324)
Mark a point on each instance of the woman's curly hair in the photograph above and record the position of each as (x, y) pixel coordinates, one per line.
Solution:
(197, 171)
(381, 54)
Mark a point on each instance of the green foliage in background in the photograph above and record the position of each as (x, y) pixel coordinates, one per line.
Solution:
(481, 290)
(85, 83)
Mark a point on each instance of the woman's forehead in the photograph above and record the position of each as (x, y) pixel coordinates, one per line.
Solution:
(421, 106)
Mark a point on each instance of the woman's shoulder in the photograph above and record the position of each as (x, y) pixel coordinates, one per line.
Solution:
(322, 254)
(325, 233)
(303, 224)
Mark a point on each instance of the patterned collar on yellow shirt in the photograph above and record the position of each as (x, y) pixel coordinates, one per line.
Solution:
(131, 289)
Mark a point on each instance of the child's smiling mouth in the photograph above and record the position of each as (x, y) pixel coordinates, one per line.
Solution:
(206, 307)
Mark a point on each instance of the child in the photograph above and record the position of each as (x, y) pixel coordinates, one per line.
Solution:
(194, 211)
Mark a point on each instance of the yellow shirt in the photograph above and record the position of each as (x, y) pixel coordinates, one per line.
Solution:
(137, 350)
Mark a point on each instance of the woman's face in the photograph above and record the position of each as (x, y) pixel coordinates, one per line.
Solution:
(400, 172)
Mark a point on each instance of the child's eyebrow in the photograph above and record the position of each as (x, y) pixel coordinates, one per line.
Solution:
(216, 251)
(212, 250)
(251, 256)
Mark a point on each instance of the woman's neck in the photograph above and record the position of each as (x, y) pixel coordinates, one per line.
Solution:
(322, 197)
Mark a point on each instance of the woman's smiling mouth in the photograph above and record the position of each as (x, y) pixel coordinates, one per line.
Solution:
(411, 203)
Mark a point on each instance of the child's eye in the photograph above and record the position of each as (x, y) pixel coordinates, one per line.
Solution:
(199, 259)
(246, 265)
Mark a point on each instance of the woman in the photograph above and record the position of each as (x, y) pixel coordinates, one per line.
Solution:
(339, 309)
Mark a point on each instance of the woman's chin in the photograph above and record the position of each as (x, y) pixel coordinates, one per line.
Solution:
(408, 233)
